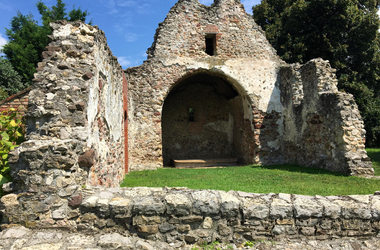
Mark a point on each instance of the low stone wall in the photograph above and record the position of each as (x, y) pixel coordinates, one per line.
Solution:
(198, 216)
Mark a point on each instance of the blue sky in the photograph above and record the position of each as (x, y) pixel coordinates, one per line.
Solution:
(129, 25)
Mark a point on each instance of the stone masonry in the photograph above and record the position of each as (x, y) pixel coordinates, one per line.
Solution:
(180, 215)
(245, 101)
(212, 87)
(75, 124)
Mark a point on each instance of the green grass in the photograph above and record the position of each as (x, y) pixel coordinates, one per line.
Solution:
(260, 179)
(374, 154)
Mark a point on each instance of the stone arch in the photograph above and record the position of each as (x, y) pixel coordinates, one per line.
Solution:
(203, 117)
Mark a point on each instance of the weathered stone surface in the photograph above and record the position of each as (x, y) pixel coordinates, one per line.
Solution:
(375, 207)
(143, 246)
(306, 207)
(87, 159)
(149, 206)
(120, 205)
(90, 201)
(330, 209)
(205, 202)
(178, 204)
(207, 223)
(184, 228)
(224, 230)
(114, 241)
(15, 232)
(230, 205)
(52, 246)
(353, 210)
(147, 220)
(281, 209)
(149, 229)
(77, 241)
(166, 227)
(255, 209)
(75, 200)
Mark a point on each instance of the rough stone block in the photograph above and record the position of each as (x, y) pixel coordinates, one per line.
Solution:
(149, 206)
(306, 207)
(120, 205)
(149, 229)
(178, 204)
(230, 205)
(353, 210)
(114, 241)
(87, 159)
(281, 209)
(205, 202)
(255, 209)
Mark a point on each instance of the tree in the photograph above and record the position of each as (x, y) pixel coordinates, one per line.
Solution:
(10, 80)
(345, 32)
(27, 40)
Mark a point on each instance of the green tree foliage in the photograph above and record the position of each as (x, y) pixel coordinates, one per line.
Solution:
(345, 32)
(10, 80)
(3, 94)
(11, 135)
(27, 39)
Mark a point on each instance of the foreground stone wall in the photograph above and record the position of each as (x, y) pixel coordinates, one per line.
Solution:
(175, 215)
(322, 126)
(74, 122)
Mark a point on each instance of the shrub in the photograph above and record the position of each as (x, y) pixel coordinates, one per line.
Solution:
(11, 135)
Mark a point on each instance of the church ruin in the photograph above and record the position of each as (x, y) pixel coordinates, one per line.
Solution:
(212, 87)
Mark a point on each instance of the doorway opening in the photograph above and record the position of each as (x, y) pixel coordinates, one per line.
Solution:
(202, 118)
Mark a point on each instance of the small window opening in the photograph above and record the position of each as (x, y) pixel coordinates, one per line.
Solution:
(210, 44)
(191, 114)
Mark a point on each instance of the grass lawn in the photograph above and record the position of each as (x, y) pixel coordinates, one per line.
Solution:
(261, 179)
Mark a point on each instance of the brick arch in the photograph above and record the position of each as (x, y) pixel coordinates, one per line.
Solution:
(203, 118)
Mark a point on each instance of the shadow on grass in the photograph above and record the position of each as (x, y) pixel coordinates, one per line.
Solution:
(300, 169)
(374, 154)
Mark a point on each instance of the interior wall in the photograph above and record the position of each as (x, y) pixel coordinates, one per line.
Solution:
(201, 119)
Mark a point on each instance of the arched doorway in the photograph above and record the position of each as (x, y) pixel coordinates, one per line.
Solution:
(202, 118)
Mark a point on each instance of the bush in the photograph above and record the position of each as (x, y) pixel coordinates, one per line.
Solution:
(11, 135)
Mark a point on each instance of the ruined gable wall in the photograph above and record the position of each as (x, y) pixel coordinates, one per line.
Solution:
(322, 126)
(243, 57)
(75, 126)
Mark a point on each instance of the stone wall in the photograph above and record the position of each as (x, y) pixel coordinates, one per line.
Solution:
(280, 114)
(322, 126)
(75, 129)
(177, 215)
(243, 58)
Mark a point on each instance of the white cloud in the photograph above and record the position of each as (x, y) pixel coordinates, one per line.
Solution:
(124, 62)
(125, 3)
(5, 7)
(3, 41)
(144, 9)
(130, 37)
(206, 2)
